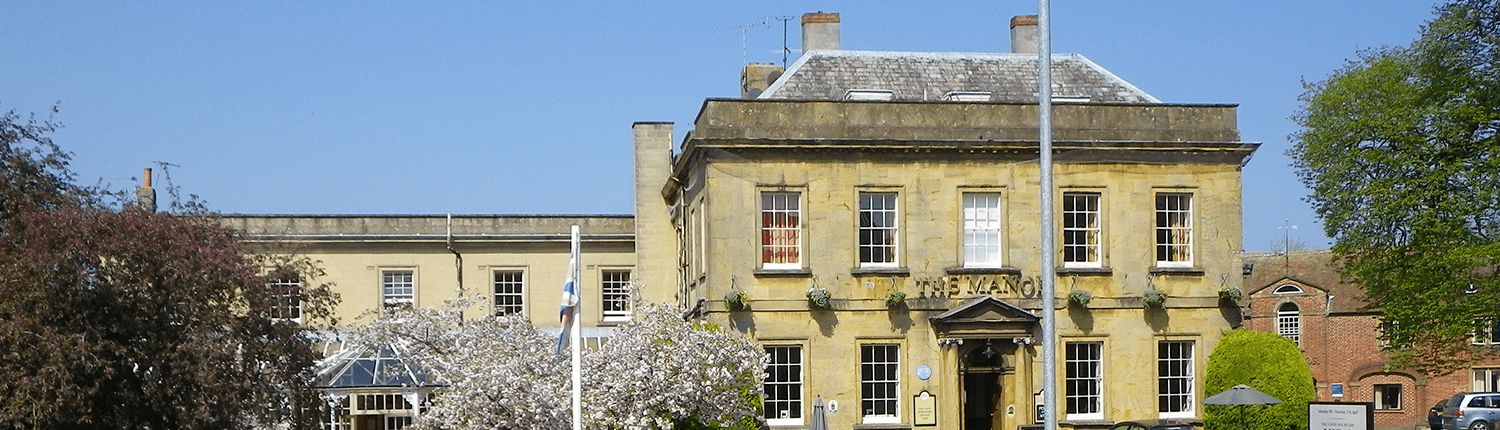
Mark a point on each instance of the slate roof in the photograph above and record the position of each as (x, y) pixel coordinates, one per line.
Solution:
(1314, 268)
(916, 76)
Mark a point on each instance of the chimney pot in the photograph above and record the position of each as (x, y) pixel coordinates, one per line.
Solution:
(145, 196)
(820, 30)
(1023, 29)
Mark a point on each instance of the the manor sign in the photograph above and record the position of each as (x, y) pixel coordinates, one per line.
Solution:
(998, 285)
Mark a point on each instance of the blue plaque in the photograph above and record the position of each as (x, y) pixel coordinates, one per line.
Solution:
(924, 372)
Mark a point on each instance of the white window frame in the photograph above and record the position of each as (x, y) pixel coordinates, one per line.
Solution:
(799, 368)
(388, 300)
(983, 227)
(1485, 333)
(519, 294)
(891, 229)
(283, 301)
(1092, 210)
(1095, 363)
(1165, 214)
(612, 289)
(891, 358)
(1484, 379)
(1184, 355)
(1289, 322)
(1378, 397)
(788, 206)
(1287, 289)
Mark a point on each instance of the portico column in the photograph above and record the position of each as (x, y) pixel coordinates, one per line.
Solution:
(951, 395)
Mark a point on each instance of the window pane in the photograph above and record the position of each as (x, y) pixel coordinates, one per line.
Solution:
(1174, 228)
(509, 287)
(877, 229)
(1081, 229)
(783, 386)
(1083, 380)
(981, 229)
(1289, 323)
(879, 381)
(286, 296)
(397, 287)
(1174, 377)
(615, 293)
(781, 229)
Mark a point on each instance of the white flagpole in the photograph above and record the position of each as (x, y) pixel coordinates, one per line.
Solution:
(574, 335)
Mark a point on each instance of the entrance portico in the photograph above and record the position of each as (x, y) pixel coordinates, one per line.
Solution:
(987, 356)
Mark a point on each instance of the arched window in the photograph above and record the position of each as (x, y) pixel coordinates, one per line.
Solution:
(1289, 322)
(1288, 289)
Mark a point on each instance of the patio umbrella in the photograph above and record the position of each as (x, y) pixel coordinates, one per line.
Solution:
(1240, 396)
(819, 419)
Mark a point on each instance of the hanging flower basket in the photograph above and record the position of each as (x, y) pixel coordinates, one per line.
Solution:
(1080, 297)
(819, 298)
(737, 300)
(1154, 299)
(1231, 294)
(895, 299)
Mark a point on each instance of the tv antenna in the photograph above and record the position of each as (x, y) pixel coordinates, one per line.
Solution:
(785, 49)
(744, 30)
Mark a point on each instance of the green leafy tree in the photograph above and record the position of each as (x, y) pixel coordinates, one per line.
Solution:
(1268, 363)
(114, 317)
(1400, 150)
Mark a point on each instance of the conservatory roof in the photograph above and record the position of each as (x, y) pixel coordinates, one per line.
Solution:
(354, 368)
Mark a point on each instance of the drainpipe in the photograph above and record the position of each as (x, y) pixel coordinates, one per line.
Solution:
(458, 263)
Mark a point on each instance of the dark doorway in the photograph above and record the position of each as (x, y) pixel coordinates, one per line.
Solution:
(981, 399)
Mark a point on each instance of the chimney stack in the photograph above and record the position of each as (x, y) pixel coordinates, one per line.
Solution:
(145, 196)
(820, 30)
(757, 77)
(1023, 34)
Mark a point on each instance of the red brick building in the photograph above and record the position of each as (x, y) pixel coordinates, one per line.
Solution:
(1302, 297)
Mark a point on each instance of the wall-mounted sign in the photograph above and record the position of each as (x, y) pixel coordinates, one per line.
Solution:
(1000, 285)
(924, 409)
(924, 372)
(1336, 389)
(1340, 416)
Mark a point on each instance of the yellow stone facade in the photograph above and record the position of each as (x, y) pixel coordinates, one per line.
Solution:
(355, 250)
(973, 329)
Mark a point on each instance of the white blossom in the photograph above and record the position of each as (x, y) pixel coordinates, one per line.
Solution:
(501, 372)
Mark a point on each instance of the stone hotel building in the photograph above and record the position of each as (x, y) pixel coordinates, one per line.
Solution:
(871, 219)
(904, 186)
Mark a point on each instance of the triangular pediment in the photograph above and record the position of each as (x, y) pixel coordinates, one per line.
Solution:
(985, 309)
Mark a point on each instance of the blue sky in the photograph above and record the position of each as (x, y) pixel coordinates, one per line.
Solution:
(525, 107)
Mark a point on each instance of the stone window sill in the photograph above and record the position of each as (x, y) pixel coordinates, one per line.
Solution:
(1004, 270)
(1103, 271)
(896, 271)
(783, 273)
(1177, 270)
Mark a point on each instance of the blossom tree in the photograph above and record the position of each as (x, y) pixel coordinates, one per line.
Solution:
(498, 371)
(658, 371)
